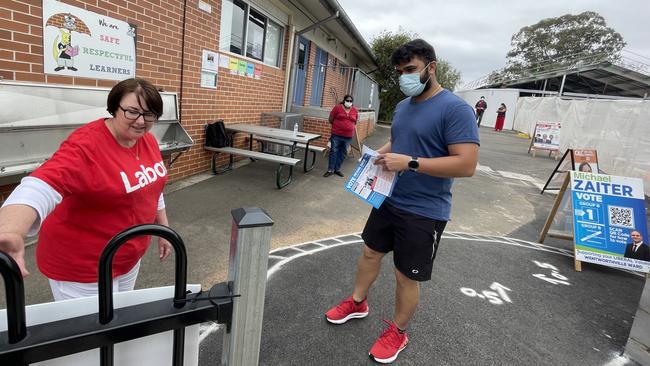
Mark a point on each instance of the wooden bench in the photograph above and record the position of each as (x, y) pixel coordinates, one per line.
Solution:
(284, 161)
(312, 148)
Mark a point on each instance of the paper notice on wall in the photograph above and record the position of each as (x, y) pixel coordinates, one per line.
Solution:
(209, 60)
(224, 61)
(258, 72)
(208, 79)
(241, 69)
(250, 70)
(234, 66)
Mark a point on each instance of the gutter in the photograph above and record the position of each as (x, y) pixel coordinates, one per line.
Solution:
(333, 6)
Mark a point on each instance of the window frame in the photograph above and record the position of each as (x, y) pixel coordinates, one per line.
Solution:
(267, 18)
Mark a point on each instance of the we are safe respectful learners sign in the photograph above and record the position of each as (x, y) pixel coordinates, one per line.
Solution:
(606, 210)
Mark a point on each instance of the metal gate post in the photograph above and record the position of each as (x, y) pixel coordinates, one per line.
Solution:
(250, 242)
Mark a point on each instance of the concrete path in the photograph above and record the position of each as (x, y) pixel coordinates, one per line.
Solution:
(496, 297)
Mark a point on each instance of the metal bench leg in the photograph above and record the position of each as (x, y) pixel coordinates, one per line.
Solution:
(306, 166)
(214, 164)
(278, 176)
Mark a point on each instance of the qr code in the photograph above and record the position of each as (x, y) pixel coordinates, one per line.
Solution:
(621, 216)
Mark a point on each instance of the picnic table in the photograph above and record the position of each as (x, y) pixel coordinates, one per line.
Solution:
(280, 136)
(263, 134)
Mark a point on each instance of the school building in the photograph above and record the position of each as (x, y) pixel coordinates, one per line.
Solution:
(241, 61)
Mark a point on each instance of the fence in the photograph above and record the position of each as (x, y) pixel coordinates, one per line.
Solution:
(250, 243)
(325, 85)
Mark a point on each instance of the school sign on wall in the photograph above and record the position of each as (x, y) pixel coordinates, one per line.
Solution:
(607, 209)
(77, 42)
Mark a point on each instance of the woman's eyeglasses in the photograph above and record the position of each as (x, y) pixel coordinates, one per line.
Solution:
(348, 100)
(133, 115)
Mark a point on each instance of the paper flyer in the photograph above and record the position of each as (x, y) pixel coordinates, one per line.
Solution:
(371, 182)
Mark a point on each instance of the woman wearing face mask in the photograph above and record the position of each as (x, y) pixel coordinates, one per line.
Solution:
(343, 118)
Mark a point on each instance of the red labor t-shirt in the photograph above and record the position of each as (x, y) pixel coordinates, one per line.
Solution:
(106, 188)
(343, 122)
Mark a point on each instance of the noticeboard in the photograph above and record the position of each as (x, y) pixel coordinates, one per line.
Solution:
(607, 210)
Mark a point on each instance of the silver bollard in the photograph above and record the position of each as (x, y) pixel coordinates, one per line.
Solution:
(250, 243)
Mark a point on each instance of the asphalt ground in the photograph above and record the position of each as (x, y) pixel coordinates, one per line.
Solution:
(555, 315)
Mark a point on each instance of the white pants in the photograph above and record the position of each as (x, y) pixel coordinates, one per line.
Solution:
(63, 290)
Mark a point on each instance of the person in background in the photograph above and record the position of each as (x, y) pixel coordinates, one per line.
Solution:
(480, 106)
(434, 138)
(108, 175)
(501, 117)
(343, 119)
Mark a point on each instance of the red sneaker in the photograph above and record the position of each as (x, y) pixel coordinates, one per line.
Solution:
(347, 310)
(389, 344)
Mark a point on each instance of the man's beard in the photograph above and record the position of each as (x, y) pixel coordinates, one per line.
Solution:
(427, 86)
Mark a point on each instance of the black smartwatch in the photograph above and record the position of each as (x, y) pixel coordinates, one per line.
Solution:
(414, 164)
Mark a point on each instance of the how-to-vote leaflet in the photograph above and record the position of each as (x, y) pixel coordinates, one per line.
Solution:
(606, 210)
(371, 182)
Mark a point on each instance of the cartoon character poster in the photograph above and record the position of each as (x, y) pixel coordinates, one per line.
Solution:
(77, 42)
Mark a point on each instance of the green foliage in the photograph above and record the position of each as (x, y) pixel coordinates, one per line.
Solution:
(383, 47)
(554, 40)
(446, 75)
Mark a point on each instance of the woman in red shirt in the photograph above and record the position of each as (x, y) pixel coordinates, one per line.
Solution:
(343, 118)
(108, 175)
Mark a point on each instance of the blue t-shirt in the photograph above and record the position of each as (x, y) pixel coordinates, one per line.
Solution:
(424, 130)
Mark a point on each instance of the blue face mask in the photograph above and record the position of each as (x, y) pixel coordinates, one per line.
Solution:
(411, 85)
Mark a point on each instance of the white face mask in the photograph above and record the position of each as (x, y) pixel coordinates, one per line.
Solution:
(347, 104)
(411, 85)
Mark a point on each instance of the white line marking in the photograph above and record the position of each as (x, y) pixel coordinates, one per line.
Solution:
(276, 256)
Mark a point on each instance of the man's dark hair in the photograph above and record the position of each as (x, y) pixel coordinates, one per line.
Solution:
(415, 48)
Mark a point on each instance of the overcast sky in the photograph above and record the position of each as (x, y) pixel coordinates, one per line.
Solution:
(475, 35)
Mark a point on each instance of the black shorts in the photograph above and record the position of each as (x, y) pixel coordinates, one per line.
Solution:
(413, 238)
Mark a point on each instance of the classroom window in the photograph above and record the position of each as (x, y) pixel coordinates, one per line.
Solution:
(248, 32)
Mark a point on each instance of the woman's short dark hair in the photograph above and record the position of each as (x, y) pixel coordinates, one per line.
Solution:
(415, 48)
(347, 96)
(145, 91)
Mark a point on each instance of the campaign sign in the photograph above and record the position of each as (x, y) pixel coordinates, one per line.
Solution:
(608, 214)
(547, 136)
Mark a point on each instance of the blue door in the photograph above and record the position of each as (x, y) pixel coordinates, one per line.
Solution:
(318, 81)
(301, 71)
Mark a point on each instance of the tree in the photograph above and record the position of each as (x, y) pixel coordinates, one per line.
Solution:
(383, 47)
(446, 75)
(567, 38)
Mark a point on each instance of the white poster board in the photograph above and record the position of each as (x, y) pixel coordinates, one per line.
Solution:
(546, 136)
(77, 42)
(153, 350)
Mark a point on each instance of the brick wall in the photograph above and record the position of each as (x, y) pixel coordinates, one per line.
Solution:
(159, 49)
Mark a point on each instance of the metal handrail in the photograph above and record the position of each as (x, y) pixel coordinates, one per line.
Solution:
(15, 295)
(105, 282)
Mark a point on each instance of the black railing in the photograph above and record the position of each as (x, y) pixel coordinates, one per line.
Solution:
(68, 336)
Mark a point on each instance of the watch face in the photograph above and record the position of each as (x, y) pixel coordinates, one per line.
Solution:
(413, 164)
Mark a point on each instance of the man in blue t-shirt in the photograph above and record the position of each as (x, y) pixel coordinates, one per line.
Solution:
(434, 138)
